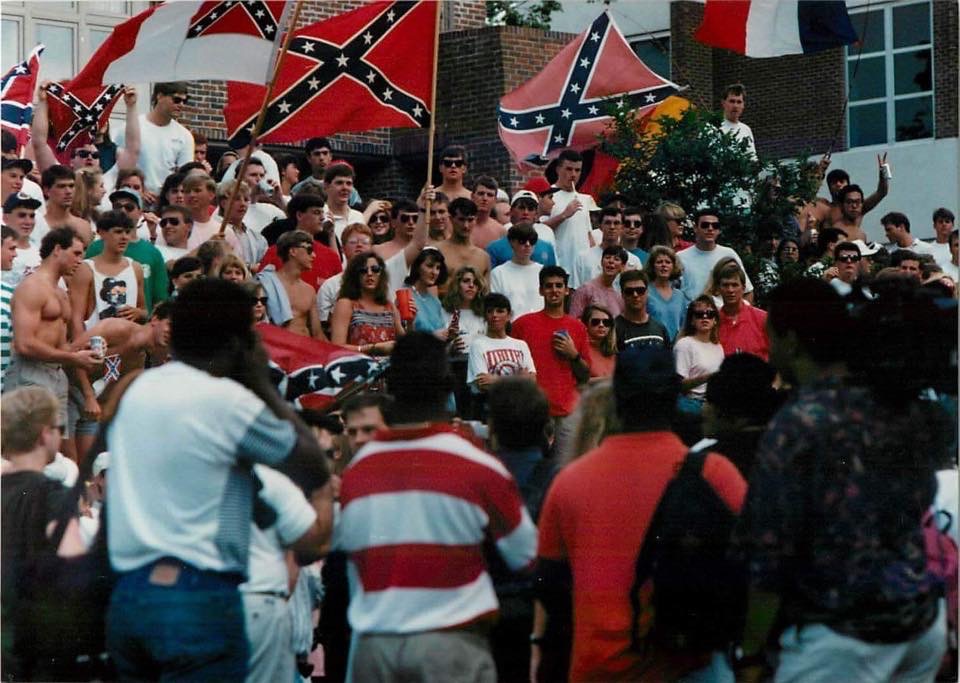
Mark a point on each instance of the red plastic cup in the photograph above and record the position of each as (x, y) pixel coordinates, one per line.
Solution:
(404, 307)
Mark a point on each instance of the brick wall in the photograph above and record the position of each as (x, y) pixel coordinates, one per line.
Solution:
(945, 68)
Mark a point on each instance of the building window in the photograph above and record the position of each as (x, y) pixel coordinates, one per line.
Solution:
(890, 80)
(655, 53)
(10, 44)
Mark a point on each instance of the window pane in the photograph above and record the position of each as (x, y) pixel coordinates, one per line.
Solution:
(97, 36)
(57, 61)
(655, 54)
(911, 25)
(869, 27)
(914, 118)
(869, 81)
(108, 6)
(912, 72)
(11, 44)
(868, 124)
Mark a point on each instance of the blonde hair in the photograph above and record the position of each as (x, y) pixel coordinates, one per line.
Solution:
(24, 413)
(670, 210)
(661, 250)
(595, 419)
(233, 261)
(452, 299)
(86, 180)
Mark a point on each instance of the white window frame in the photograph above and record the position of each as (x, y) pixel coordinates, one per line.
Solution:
(889, 53)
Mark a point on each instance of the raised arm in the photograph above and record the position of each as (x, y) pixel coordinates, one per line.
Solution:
(883, 186)
(419, 239)
(128, 155)
(40, 130)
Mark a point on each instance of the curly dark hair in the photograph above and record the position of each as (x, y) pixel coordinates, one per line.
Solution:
(350, 285)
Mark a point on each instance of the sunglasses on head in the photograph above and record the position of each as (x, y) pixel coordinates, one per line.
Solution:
(597, 322)
(262, 300)
(164, 222)
(375, 269)
(452, 163)
(634, 291)
(705, 314)
(85, 153)
(178, 99)
(849, 258)
(408, 217)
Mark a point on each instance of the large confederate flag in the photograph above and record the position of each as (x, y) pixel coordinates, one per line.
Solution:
(16, 96)
(76, 114)
(369, 68)
(568, 103)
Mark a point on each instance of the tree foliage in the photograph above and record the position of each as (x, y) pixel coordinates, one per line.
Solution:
(535, 14)
(691, 162)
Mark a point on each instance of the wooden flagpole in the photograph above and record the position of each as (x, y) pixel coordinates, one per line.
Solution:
(242, 169)
(433, 103)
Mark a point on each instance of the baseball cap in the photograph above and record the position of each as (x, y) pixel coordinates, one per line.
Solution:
(10, 162)
(127, 192)
(867, 249)
(101, 463)
(540, 185)
(643, 371)
(18, 199)
(524, 194)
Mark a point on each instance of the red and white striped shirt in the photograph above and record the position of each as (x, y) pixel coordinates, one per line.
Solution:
(417, 505)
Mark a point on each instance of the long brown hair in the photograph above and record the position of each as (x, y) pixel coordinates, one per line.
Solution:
(350, 285)
(453, 299)
(608, 346)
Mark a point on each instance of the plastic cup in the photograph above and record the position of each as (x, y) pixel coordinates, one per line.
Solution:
(404, 307)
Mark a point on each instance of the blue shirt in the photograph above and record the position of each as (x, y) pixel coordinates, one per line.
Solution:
(640, 254)
(429, 312)
(670, 314)
(500, 252)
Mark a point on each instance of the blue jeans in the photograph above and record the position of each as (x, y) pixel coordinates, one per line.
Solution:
(189, 630)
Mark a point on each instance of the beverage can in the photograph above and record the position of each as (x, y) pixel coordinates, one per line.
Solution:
(887, 173)
(404, 299)
(99, 346)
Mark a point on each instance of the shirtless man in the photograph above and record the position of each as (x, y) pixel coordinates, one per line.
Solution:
(459, 250)
(487, 228)
(404, 217)
(453, 169)
(41, 313)
(129, 345)
(440, 228)
(58, 187)
(850, 198)
(820, 212)
(295, 250)
(109, 285)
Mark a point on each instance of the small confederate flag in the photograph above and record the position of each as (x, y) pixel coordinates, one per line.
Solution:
(76, 114)
(365, 69)
(310, 372)
(566, 104)
(16, 94)
(184, 41)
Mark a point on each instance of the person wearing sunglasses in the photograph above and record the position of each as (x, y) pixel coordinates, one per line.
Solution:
(847, 267)
(587, 264)
(524, 208)
(635, 326)
(453, 169)
(519, 278)
(364, 319)
(743, 328)
(603, 341)
(175, 226)
(601, 289)
(357, 239)
(698, 354)
(290, 300)
(380, 226)
(260, 300)
(698, 261)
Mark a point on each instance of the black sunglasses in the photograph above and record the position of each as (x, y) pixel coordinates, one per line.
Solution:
(452, 163)
(632, 224)
(178, 99)
(164, 222)
(408, 218)
(380, 218)
(597, 322)
(526, 240)
(849, 258)
(307, 247)
(85, 153)
(371, 270)
(262, 300)
(634, 291)
(705, 314)
(709, 225)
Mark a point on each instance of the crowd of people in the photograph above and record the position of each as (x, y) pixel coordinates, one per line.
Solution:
(553, 359)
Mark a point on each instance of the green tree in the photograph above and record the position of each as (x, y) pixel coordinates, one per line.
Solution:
(535, 14)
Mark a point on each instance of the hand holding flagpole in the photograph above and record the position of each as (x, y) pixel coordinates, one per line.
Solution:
(433, 109)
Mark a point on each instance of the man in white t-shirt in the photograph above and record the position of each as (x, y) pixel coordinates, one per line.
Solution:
(733, 104)
(587, 264)
(495, 355)
(519, 278)
(259, 213)
(570, 216)
(19, 213)
(896, 226)
(698, 261)
(943, 222)
(175, 225)
(338, 182)
(165, 144)
(201, 193)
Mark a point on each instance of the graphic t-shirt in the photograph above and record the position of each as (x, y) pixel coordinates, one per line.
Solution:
(500, 357)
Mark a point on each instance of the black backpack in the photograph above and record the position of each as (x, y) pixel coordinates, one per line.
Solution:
(687, 596)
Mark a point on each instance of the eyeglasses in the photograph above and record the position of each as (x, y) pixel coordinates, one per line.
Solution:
(380, 218)
(85, 153)
(179, 99)
(262, 300)
(164, 222)
(408, 217)
(527, 241)
(634, 291)
(632, 224)
(597, 322)
(709, 225)
(452, 163)
(849, 258)
(705, 314)
(307, 247)
(371, 270)
(126, 207)
(357, 243)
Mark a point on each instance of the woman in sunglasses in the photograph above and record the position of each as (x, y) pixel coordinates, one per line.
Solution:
(603, 341)
(379, 224)
(260, 301)
(364, 319)
(698, 353)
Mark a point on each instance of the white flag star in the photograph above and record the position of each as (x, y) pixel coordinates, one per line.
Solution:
(88, 117)
(21, 69)
(513, 121)
(574, 87)
(268, 29)
(259, 14)
(98, 107)
(388, 94)
(594, 36)
(367, 38)
(558, 139)
(213, 15)
(650, 97)
(585, 63)
(391, 15)
(540, 118)
(417, 111)
(284, 107)
(565, 113)
(593, 110)
(371, 77)
(342, 60)
(307, 46)
(621, 104)
(313, 83)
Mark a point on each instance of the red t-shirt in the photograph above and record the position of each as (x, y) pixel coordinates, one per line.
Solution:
(747, 333)
(554, 372)
(326, 263)
(595, 517)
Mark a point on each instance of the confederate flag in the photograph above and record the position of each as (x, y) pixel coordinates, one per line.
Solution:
(76, 114)
(369, 68)
(567, 104)
(188, 41)
(16, 95)
(309, 372)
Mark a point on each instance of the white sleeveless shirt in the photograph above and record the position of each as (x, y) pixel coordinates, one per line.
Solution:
(112, 292)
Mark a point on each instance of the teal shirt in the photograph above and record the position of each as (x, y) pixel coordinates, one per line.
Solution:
(155, 282)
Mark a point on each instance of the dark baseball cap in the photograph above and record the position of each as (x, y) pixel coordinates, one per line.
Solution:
(128, 193)
(18, 199)
(25, 164)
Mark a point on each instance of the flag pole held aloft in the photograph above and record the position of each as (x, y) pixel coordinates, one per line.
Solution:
(433, 107)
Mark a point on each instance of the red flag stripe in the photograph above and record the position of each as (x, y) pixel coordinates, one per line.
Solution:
(725, 25)
(417, 565)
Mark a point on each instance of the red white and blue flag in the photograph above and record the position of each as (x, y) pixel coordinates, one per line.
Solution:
(76, 114)
(369, 68)
(187, 41)
(16, 96)
(568, 103)
(773, 28)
